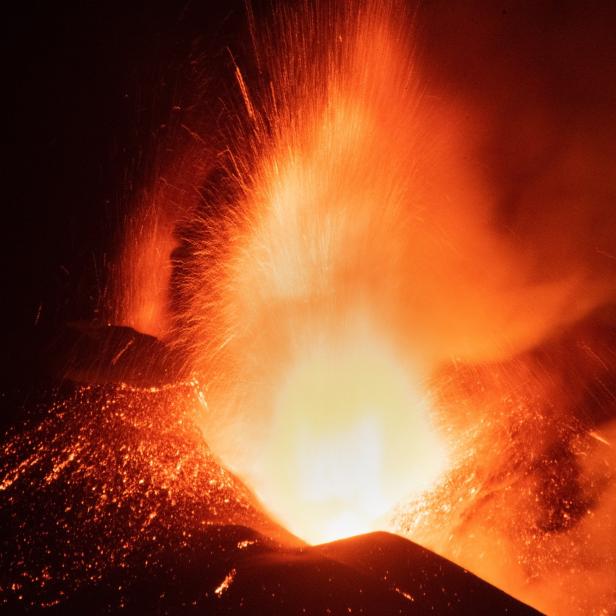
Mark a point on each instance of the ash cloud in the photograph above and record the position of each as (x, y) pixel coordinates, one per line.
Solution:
(536, 87)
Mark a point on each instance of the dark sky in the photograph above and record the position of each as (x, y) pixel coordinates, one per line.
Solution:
(91, 80)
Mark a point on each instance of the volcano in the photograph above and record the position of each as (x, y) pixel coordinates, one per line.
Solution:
(129, 511)
(313, 309)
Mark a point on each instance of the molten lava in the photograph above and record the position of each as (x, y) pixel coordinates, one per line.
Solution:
(351, 436)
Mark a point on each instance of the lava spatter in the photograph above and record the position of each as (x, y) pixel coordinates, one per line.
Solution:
(110, 472)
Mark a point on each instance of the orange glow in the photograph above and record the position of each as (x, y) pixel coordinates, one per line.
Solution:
(358, 257)
(145, 273)
(351, 435)
(304, 323)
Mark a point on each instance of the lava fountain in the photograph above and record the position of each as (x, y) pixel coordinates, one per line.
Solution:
(317, 401)
(349, 254)
(343, 253)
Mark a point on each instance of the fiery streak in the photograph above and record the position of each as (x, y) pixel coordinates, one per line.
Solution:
(224, 585)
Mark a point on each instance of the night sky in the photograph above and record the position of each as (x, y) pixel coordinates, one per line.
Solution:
(90, 84)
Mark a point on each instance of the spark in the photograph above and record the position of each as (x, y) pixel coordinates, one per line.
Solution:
(405, 594)
(599, 438)
(224, 585)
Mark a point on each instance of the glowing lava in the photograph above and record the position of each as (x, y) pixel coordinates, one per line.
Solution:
(302, 312)
(338, 457)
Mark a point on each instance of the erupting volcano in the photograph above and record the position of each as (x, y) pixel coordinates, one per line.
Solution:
(367, 285)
